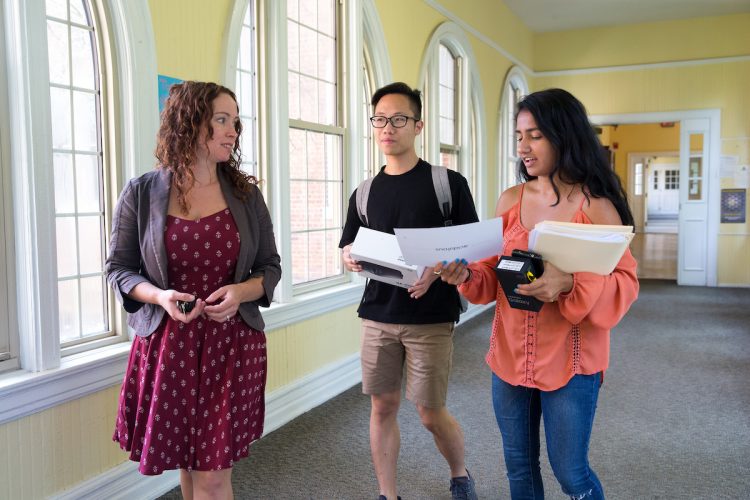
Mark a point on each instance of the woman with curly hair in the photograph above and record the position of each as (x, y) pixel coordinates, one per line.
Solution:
(550, 364)
(192, 257)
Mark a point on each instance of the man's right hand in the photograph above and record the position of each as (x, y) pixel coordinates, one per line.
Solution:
(349, 263)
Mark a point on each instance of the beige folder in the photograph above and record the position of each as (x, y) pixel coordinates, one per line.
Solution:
(573, 248)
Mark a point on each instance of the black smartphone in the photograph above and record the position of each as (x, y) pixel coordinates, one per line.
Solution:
(186, 306)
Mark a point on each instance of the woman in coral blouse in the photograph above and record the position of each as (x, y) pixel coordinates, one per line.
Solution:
(551, 363)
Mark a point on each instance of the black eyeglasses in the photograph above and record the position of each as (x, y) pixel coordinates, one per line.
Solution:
(398, 121)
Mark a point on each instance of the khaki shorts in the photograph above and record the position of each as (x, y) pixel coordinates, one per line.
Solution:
(425, 350)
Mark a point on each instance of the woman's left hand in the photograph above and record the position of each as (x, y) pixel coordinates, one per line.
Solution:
(225, 302)
(549, 286)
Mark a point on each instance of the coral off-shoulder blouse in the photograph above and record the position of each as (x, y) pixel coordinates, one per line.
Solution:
(545, 349)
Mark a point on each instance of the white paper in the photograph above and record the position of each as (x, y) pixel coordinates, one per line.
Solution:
(428, 246)
(728, 166)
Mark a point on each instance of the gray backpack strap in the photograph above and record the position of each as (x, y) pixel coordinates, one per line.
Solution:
(443, 192)
(363, 193)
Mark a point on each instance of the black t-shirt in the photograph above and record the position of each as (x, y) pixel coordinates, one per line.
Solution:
(409, 201)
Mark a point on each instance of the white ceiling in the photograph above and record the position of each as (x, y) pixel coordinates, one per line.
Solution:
(561, 15)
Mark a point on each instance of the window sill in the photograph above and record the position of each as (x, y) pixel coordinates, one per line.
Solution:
(23, 393)
(311, 304)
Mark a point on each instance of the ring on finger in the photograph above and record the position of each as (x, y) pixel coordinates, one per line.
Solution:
(437, 273)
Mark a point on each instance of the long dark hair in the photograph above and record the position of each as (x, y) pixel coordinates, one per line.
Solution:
(581, 159)
(188, 107)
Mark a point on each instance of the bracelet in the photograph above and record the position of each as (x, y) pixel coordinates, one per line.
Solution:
(468, 278)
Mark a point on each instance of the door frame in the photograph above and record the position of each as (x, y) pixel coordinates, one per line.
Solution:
(642, 221)
(713, 116)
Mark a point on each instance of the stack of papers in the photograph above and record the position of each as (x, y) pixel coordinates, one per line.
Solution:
(573, 248)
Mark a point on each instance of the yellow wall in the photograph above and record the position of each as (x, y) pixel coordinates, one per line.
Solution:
(303, 348)
(703, 38)
(643, 138)
(189, 37)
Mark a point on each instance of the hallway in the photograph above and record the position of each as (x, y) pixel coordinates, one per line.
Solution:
(671, 420)
(656, 254)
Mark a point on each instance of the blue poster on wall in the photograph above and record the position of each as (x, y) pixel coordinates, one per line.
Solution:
(164, 83)
(733, 206)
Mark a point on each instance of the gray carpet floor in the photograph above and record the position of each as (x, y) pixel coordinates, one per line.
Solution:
(672, 420)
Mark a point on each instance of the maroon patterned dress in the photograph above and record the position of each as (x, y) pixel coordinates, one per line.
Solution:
(193, 394)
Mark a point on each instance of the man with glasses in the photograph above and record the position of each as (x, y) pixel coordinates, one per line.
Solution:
(411, 328)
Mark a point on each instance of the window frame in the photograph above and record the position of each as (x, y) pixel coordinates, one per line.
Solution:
(377, 60)
(514, 79)
(115, 332)
(8, 343)
(45, 378)
(339, 128)
(359, 20)
(470, 116)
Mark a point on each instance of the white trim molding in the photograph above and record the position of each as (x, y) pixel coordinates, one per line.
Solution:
(645, 66)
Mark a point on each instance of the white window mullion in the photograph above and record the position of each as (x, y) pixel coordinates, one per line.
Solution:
(33, 188)
(8, 335)
(276, 141)
(431, 114)
(463, 132)
(353, 82)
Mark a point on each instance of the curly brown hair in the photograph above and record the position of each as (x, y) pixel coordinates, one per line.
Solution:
(189, 106)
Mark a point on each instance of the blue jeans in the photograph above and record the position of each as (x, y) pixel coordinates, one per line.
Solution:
(568, 418)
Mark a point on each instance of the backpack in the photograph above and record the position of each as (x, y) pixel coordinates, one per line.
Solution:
(445, 202)
(439, 182)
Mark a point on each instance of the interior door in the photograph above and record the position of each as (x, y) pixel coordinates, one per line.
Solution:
(693, 219)
(663, 190)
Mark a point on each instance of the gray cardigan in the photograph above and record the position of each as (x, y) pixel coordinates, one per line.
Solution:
(137, 252)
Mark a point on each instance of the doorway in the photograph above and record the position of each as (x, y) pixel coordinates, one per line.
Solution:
(698, 199)
(654, 246)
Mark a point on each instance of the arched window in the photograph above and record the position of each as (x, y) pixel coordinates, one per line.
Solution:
(453, 106)
(316, 136)
(79, 94)
(370, 154)
(313, 144)
(514, 89)
(377, 73)
(449, 108)
(80, 176)
(245, 87)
